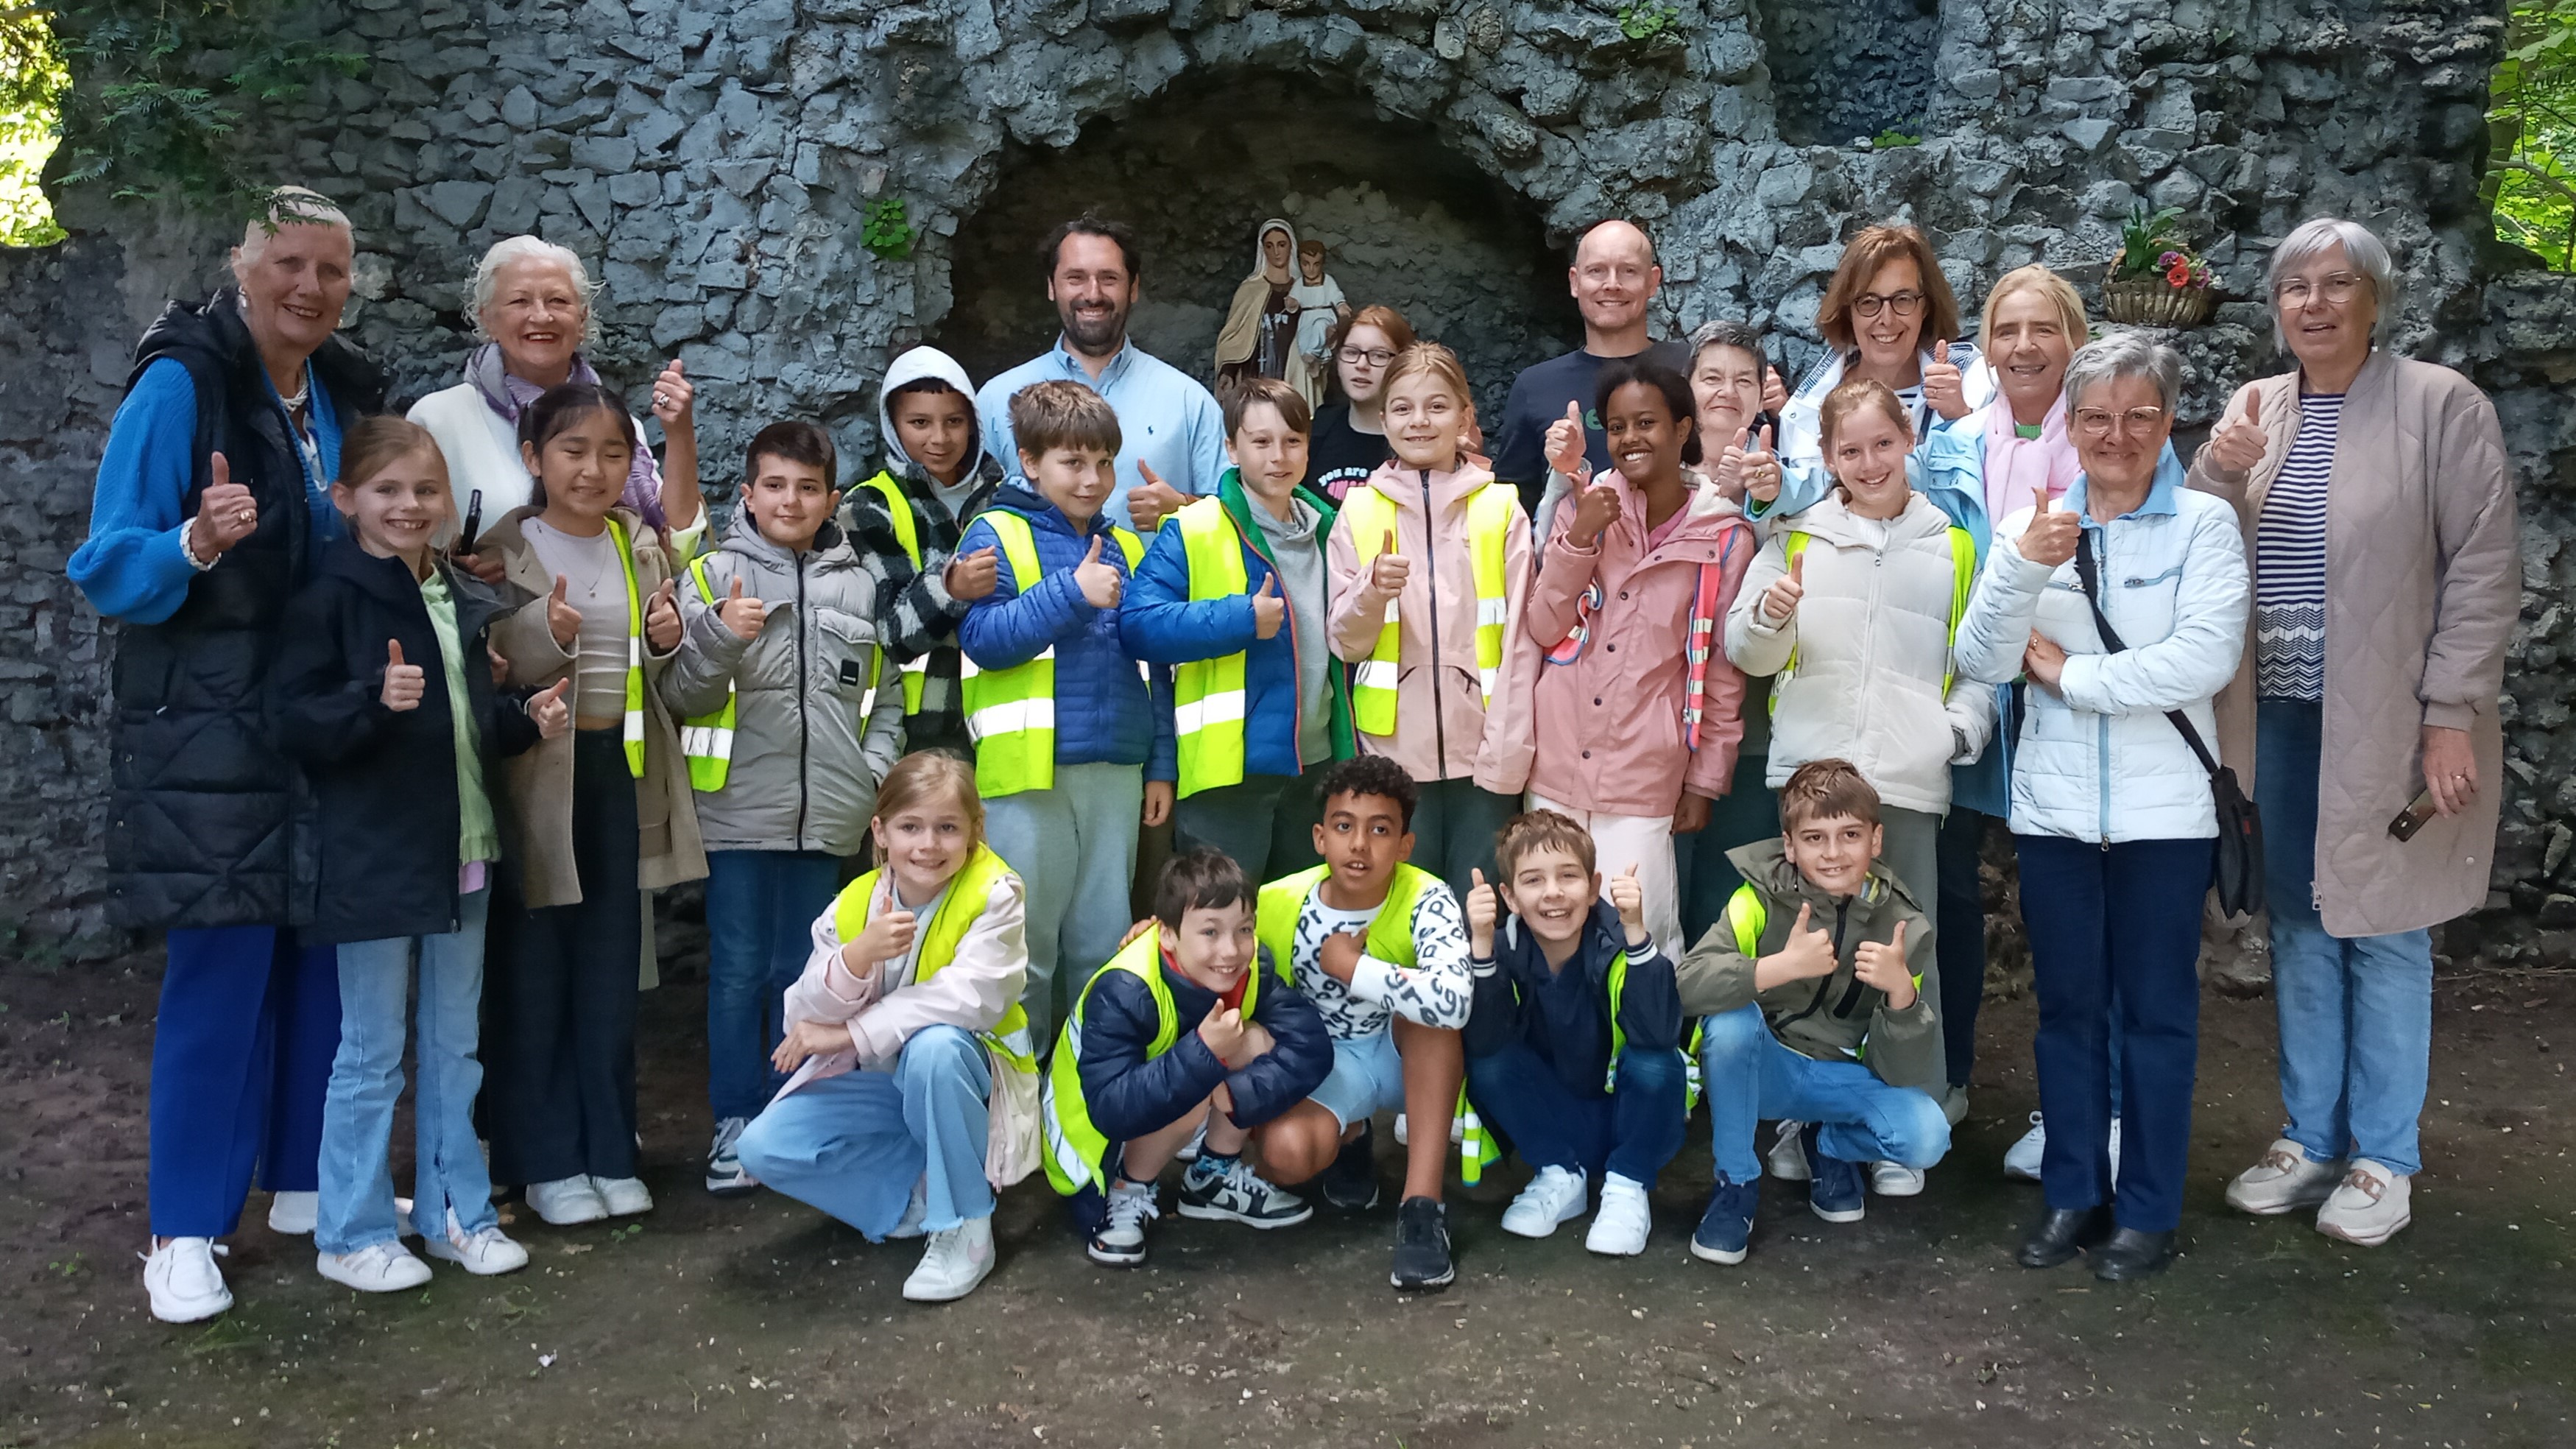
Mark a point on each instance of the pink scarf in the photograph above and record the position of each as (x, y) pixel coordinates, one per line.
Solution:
(2017, 466)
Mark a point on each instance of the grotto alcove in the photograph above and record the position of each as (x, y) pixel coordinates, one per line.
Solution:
(1407, 222)
(1842, 70)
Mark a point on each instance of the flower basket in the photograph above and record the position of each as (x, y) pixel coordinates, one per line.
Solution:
(2151, 301)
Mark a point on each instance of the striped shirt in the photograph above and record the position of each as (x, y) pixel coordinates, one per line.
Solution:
(2290, 560)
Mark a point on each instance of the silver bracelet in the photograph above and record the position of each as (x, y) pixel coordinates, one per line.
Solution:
(190, 554)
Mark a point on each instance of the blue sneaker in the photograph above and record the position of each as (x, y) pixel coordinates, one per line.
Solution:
(1834, 1193)
(1727, 1226)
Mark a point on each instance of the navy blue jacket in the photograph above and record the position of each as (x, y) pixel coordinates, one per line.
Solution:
(1130, 1096)
(1105, 710)
(1564, 1016)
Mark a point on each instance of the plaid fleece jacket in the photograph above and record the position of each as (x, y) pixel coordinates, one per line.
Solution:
(913, 606)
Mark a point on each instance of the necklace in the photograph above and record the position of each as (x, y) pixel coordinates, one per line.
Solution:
(597, 553)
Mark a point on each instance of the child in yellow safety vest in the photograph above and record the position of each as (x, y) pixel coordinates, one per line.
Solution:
(1234, 592)
(1192, 1027)
(915, 1085)
(790, 714)
(1431, 562)
(909, 517)
(1073, 735)
(1574, 1048)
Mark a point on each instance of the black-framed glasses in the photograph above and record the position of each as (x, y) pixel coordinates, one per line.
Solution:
(2097, 422)
(1906, 303)
(1374, 356)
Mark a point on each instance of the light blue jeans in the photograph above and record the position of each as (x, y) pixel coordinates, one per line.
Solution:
(852, 1145)
(2356, 1011)
(357, 1182)
(1074, 848)
(1748, 1076)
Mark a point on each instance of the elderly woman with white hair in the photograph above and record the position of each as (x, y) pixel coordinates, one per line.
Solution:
(2125, 609)
(212, 504)
(531, 307)
(2374, 498)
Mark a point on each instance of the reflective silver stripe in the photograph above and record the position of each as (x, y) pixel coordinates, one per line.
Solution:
(1145, 672)
(1376, 674)
(706, 742)
(1486, 678)
(868, 702)
(634, 727)
(1390, 614)
(1492, 611)
(920, 665)
(966, 666)
(1012, 716)
(1220, 708)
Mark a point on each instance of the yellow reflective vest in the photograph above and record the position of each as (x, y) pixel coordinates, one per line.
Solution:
(968, 890)
(907, 531)
(1010, 713)
(1370, 515)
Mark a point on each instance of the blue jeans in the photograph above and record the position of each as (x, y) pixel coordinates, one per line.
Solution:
(1632, 1131)
(761, 906)
(2356, 1011)
(241, 1052)
(852, 1145)
(2116, 929)
(357, 1207)
(1074, 848)
(1748, 1076)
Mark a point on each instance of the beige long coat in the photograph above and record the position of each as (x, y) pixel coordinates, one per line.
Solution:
(2423, 585)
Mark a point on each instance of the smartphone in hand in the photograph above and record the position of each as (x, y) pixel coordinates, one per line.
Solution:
(473, 526)
(2414, 816)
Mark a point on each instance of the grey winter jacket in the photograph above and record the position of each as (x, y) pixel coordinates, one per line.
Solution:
(819, 715)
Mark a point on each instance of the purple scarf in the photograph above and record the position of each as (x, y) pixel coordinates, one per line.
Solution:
(508, 395)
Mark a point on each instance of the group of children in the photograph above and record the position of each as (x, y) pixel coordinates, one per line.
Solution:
(966, 673)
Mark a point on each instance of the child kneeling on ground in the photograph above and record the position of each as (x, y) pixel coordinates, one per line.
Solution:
(915, 1087)
(1818, 984)
(1133, 1079)
(1574, 1047)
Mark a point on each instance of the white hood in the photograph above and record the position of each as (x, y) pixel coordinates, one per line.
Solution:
(1260, 263)
(912, 366)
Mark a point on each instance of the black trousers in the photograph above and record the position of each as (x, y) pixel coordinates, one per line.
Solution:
(1961, 946)
(559, 995)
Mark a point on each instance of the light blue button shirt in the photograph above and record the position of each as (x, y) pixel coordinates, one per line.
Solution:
(1166, 420)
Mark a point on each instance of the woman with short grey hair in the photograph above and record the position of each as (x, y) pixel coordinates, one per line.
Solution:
(2113, 819)
(2376, 507)
(531, 306)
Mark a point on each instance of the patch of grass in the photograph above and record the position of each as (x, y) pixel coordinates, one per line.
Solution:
(1647, 19)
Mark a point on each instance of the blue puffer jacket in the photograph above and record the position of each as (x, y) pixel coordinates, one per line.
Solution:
(1159, 623)
(1130, 1095)
(1105, 710)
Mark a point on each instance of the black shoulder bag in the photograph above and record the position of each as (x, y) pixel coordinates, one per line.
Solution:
(2237, 872)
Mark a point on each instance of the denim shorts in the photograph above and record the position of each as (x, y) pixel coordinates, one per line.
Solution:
(1367, 1078)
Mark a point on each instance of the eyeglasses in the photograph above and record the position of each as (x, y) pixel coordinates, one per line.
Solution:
(2336, 289)
(1868, 304)
(1374, 357)
(2097, 422)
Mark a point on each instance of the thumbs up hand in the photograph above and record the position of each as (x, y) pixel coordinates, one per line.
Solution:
(1760, 468)
(886, 938)
(1807, 954)
(2237, 445)
(1595, 509)
(1101, 584)
(743, 616)
(675, 400)
(1883, 966)
(1223, 1032)
(226, 513)
(404, 683)
(1484, 909)
(971, 576)
(1628, 898)
(1268, 609)
(1151, 501)
(1388, 571)
(1945, 390)
(2053, 532)
(562, 619)
(1780, 601)
(546, 708)
(1564, 445)
(662, 619)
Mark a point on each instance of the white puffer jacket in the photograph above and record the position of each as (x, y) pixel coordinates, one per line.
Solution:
(2097, 759)
(1872, 638)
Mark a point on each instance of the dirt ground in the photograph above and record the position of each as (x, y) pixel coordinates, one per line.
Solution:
(751, 1322)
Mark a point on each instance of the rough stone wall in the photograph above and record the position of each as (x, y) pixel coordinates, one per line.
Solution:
(714, 162)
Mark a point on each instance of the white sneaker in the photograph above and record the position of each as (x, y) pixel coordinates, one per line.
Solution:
(1404, 1131)
(623, 1196)
(183, 1280)
(1554, 1196)
(725, 1174)
(914, 1212)
(1895, 1179)
(1119, 1241)
(1189, 1151)
(953, 1264)
(2022, 1159)
(486, 1254)
(2370, 1206)
(567, 1201)
(293, 1213)
(1619, 1228)
(375, 1268)
(2284, 1181)
(1789, 1153)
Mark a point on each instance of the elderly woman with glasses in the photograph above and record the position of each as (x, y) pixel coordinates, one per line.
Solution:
(1889, 315)
(2112, 815)
(2374, 499)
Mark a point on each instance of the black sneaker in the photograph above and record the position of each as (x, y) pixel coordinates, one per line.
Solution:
(1237, 1194)
(1351, 1182)
(1422, 1246)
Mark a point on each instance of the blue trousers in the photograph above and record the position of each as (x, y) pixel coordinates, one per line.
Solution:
(241, 1052)
(1747, 1075)
(852, 1145)
(761, 906)
(357, 1207)
(1633, 1130)
(2116, 929)
(2356, 1011)
(1746, 813)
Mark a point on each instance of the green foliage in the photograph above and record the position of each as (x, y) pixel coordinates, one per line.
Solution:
(1892, 137)
(886, 229)
(2531, 158)
(2144, 237)
(31, 86)
(167, 87)
(1647, 19)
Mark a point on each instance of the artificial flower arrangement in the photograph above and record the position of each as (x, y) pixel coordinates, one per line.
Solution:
(2156, 279)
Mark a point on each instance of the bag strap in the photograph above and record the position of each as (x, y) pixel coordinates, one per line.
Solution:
(2089, 573)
